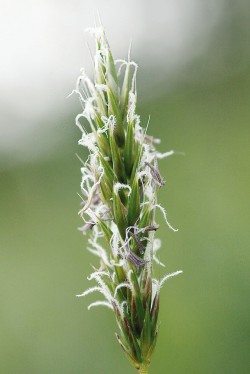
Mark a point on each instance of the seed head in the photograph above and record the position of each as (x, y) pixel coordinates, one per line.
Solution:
(120, 181)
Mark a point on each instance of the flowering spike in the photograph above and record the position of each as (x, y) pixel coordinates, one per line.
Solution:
(120, 181)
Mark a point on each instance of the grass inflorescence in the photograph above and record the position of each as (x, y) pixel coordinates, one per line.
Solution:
(120, 181)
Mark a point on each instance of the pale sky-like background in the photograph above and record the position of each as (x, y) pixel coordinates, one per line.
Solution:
(43, 46)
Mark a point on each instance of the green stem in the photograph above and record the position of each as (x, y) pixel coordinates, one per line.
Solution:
(143, 369)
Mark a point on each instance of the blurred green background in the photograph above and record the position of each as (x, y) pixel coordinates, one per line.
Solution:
(204, 313)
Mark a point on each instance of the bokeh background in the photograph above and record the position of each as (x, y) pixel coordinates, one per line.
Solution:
(194, 81)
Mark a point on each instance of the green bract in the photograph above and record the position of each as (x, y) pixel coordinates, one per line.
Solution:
(120, 180)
